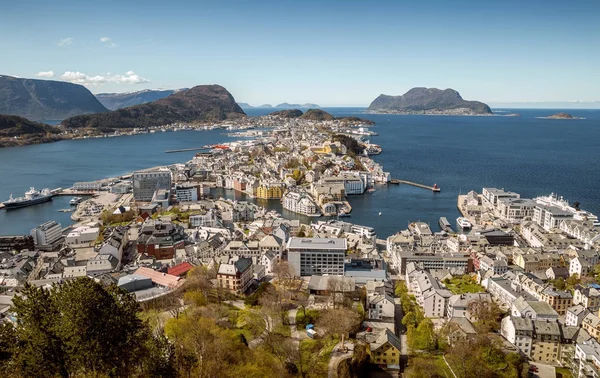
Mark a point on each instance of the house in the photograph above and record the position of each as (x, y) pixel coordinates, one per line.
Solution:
(557, 272)
(101, 264)
(575, 315)
(559, 300)
(591, 323)
(159, 279)
(180, 270)
(460, 329)
(385, 350)
(581, 267)
(458, 305)
(160, 239)
(519, 332)
(380, 306)
(429, 293)
(236, 277)
(588, 297)
(533, 309)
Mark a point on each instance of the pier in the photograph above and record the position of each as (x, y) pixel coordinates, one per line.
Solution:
(187, 150)
(433, 188)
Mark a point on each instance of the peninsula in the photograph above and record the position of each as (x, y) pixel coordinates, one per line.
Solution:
(203, 103)
(428, 101)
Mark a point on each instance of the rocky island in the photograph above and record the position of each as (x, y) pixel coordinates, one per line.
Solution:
(428, 101)
(561, 115)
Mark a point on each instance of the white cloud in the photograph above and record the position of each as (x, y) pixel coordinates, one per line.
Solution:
(77, 77)
(45, 74)
(65, 41)
(108, 42)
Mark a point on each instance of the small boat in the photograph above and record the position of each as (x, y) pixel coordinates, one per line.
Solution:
(75, 201)
(343, 214)
(380, 213)
(463, 223)
(371, 190)
(65, 210)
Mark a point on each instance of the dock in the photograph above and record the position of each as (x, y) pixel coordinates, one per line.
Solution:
(187, 150)
(434, 188)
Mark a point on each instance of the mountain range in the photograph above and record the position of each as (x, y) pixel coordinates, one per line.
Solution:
(428, 101)
(45, 99)
(285, 105)
(114, 101)
(203, 103)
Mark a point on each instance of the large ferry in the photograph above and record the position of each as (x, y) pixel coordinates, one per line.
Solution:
(444, 224)
(463, 223)
(32, 197)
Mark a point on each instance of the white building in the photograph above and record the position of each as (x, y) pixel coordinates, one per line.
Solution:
(575, 315)
(145, 183)
(380, 306)
(300, 202)
(316, 256)
(186, 193)
(493, 195)
(47, 233)
(93, 185)
(82, 235)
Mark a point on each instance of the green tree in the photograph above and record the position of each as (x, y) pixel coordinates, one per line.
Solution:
(82, 328)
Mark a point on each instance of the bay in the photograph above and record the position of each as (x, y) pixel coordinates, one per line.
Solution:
(525, 154)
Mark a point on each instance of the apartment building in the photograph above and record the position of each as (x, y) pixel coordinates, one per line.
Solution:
(145, 183)
(316, 256)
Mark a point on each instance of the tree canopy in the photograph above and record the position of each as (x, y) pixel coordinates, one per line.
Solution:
(80, 329)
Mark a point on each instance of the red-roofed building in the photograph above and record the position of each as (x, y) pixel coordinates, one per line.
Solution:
(180, 269)
(158, 278)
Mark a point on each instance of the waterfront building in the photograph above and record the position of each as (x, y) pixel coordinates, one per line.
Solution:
(299, 201)
(121, 188)
(354, 182)
(235, 277)
(186, 192)
(316, 256)
(146, 183)
(515, 209)
(88, 186)
(47, 234)
(269, 190)
(493, 195)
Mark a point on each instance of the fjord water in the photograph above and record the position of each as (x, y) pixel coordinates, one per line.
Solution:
(525, 154)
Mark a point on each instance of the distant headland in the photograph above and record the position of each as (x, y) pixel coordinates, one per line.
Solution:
(428, 101)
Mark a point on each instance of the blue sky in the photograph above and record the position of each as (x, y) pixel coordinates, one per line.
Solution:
(327, 52)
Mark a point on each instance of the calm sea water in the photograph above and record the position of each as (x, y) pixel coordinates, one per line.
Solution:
(525, 154)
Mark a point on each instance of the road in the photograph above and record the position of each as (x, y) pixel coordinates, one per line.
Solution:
(293, 329)
(337, 357)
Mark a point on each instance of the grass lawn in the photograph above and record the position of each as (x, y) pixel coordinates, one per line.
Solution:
(460, 285)
(311, 317)
(562, 372)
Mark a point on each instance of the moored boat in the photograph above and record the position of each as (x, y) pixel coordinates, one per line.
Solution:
(32, 197)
